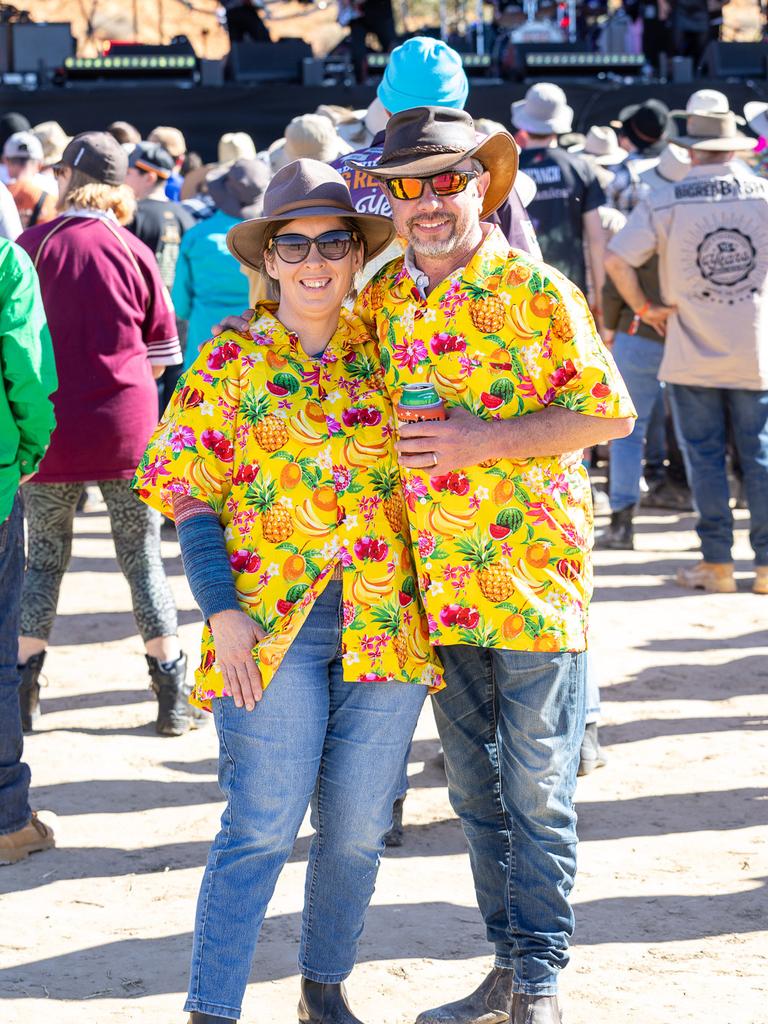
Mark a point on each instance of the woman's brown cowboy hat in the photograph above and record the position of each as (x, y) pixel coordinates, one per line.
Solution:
(424, 141)
(305, 188)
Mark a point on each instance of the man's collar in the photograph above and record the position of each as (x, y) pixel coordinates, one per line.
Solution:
(708, 170)
(494, 246)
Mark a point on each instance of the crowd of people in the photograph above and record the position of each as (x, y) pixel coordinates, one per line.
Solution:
(555, 293)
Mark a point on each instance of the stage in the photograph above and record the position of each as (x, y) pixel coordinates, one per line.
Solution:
(203, 113)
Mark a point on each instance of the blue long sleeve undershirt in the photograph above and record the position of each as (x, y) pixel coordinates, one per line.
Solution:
(206, 564)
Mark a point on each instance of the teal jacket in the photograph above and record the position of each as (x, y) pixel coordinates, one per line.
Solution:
(209, 283)
(27, 373)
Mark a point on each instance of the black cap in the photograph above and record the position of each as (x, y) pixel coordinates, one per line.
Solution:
(11, 123)
(647, 123)
(151, 156)
(98, 155)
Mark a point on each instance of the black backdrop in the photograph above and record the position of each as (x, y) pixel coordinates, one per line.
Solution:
(204, 113)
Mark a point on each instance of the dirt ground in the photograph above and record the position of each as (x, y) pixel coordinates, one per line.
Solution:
(671, 895)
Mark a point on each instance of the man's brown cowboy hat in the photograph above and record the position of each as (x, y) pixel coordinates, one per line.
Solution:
(423, 141)
(305, 188)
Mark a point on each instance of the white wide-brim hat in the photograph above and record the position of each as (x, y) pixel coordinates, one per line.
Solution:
(756, 114)
(601, 145)
(544, 111)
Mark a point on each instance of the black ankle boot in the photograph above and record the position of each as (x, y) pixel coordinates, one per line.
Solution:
(324, 1004)
(207, 1018)
(29, 691)
(174, 713)
(395, 835)
(620, 535)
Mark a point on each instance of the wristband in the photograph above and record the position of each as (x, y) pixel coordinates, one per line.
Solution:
(643, 309)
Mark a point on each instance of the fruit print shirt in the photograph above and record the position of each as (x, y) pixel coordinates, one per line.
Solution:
(502, 548)
(296, 456)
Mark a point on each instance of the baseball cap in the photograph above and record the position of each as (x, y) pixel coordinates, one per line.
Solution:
(150, 156)
(23, 146)
(98, 155)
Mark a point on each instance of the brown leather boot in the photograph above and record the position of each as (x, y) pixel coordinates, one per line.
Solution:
(32, 838)
(490, 1003)
(760, 585)
(714, 577)
(535, 1010)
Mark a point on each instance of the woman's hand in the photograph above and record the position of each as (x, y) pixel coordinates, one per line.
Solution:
(235, 634)
(234, 323)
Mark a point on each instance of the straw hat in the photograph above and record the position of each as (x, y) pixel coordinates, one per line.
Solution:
(602, 145)
(308, 137)
(305, 188)
(54, 141)
(714, 133)
(236, 146)
(428, 140)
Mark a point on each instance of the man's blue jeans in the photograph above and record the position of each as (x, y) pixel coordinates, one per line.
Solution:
(638, 360)
(700, 416)
(511, 723)
(14, 774)
(312, 738)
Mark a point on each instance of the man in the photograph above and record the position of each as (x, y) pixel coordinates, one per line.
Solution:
(27, 378)
(565, 209)
(172, 140)
(501, 530)
(638, 349)
(160, 224)
(644, 129)
(710, 232)
(23, 157)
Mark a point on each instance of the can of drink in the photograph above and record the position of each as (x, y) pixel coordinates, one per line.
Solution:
(420, 403)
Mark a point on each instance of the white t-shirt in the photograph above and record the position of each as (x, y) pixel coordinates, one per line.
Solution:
(711, 233)
(10, 224)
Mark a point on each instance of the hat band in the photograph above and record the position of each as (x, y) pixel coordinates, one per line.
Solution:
(153, 170)
(423, 150)
(642, 135)
(302, 204)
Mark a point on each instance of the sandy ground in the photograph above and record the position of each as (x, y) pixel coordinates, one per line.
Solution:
(671, 895)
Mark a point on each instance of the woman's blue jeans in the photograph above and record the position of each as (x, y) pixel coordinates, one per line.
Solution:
(701, 416)
(638, 360)
(511, 724)
(312, 738)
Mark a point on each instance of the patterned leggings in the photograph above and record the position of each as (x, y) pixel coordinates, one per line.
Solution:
(50, 511)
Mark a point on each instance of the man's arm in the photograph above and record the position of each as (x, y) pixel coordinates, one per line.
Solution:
(465, 440)
(595, 238)
(624, 276)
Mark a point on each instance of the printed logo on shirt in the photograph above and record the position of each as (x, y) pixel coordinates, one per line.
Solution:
(726, 257)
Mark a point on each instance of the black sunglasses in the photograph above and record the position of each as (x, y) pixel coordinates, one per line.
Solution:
(331, 245)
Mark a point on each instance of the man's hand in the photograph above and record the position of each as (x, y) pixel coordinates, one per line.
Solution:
(235, 634)
(234, 323)
(442, 446)
(657, 316)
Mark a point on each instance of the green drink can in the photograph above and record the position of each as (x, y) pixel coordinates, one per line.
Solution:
(420, 403)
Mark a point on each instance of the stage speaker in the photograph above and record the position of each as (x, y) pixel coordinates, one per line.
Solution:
(735, 60)
(682, 70)
(269, 62)
(212, 72)
(46, 45)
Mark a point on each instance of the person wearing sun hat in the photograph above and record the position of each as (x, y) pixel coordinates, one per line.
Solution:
(460, 292)
(290, 515)
(643, 130)
(711, 234)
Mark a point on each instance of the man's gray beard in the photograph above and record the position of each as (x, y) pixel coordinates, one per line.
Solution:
(436, 248)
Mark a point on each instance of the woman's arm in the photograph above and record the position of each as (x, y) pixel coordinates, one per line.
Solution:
(207, 569)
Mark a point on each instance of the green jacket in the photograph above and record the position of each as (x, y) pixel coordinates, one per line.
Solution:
(27, 373)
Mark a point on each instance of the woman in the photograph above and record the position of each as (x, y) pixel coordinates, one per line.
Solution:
(208, 283)
(282, 438)
(113, 333)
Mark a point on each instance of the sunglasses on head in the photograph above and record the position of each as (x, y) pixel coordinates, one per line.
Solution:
(449, 183)
(331, 245)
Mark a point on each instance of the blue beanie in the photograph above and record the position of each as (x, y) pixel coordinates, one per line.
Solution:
(423, 72)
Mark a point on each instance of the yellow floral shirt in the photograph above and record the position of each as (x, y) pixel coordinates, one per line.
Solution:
(502, 548)
(296, 456)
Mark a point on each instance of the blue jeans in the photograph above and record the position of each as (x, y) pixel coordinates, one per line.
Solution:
(312, 738)
(592, 709)
(511, 723)
(14, 774)
(638, 360)
(700, 416)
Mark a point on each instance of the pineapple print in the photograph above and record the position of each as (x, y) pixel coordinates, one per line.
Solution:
(269, 430)
(377, 293)
(486, 310)
(388, 617)
(386, 485)
(562, 327)
(276, 520)
(496, 583)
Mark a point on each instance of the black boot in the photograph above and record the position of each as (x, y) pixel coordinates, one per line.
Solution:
(174, 713)
(620, 536)
(535, 1010)
(324, 1004)
(489, 1004)
(29, 691)
(395, 835)
(208, 1018)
